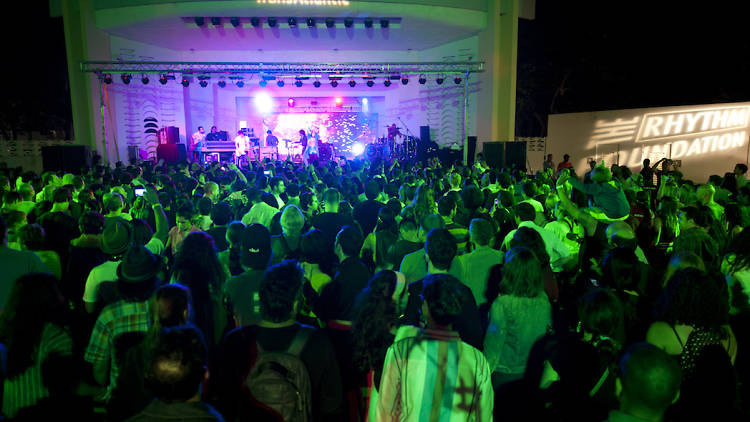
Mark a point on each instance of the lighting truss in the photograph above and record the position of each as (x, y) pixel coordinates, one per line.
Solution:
(290, 70)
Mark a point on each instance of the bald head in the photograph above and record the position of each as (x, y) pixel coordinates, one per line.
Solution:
(650, 379)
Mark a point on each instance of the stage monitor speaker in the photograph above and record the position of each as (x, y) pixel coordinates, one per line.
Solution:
(449, 156)
(171, 153)
(494, 154)
(169, 135)
(515, 155)
(471, 144)
(66, 158)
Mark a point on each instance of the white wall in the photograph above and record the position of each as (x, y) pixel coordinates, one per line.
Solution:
(706, 142)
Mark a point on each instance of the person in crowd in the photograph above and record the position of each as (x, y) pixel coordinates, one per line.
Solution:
(85, 254)
(287, 244)
(184, 226)
(376, 245)
(203, 220)
(31, 238)
(477, 264)
(431, 374)
(366, 213)
(15, 263)
(447, 208)
(254, 249)
(277, 188)
(221, 215)
(558, 252)
(279, 298)
(694, 224)
(565, 163)
(114, 204)
(260, 212)
(705, 195)
(231, 257)
(59, 225)
(330, 221)
(408, 241)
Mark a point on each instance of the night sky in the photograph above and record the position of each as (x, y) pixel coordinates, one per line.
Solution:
(575, 56)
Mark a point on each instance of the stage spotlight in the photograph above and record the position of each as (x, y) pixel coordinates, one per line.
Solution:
(365, 101)
(280, 83)
(203, 83)
(107, 79)
(370, 83)
(334, 84)
(330, 23)
(384, 23)
(368, 23)
(348, 22)
(272, 22)
(185, 82)
(404, 80)
(263, 83)
(316, 84)
(200, 21)
(339, 101)
(126, 78)
(292, 22)
(240, 83)
(222, 83)
(290, 102)
(358, 149)
(352, 83)
(439, 80)
(144, 80)
(422, 80)
(298, 84)
(310, 22)
(215, 21)
(235, 21)
(263, 102)
(387, 82)
(163, 79)
(255, 22)
(457, 80)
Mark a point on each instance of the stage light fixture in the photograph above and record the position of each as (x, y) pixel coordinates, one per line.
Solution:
(292, 22)
(370, 83)
(290, 102)
(404, 80)
(439, 80)
(203, 83)
(185, 82)
(310, 22)
(316, 84)
(298, 83)
(240, 83)
(384, 23)
(365, 101)
(387, 82)
(126, 78)
(457, 80)
(339, 101)
(255, 22)
(222, 83)
(215, 21)
(330, 23)
(348, 22)
(235, 21)
(107, 79)
(263, 103)
(368, 23)
(352, 83)
(280, 83)
(334, 84)
(263, 83)
(163, 79)
(358, 149)
(272, 22)
(422, 80)
(144, 80)
(200, 21)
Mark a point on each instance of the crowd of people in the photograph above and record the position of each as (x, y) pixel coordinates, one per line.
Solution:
(380, 291)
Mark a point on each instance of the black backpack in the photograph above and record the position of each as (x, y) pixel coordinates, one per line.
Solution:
(280, 380)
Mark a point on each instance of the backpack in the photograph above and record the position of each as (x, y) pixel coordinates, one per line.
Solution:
(280, 380)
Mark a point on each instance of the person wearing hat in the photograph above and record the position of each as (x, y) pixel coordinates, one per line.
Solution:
(128, 311)
(242, 290)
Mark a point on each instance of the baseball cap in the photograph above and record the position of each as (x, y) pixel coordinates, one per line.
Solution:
(256, 246)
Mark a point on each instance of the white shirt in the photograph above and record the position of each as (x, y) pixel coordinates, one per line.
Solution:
(240, 144)
(556, 249)
(198, 137)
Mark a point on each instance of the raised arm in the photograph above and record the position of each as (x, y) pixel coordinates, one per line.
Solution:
(162, 225)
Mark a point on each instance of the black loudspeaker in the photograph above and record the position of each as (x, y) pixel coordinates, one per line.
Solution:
(169, 135)
(494, 154)
(471, 144)
(66, 158)
(515, 155)
(424, 134)
(132, 154)
(449, 156)
(171, 153)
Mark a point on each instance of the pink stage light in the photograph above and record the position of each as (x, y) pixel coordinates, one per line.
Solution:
(339, 102)
(290, 102)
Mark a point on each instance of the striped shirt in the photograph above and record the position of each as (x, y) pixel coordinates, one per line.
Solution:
(27, 388)
(115, 319)
(434, 376)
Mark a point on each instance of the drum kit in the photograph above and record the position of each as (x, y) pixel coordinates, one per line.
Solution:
(385, 148)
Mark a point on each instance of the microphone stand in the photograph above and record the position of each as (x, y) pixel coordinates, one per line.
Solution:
(408, 132)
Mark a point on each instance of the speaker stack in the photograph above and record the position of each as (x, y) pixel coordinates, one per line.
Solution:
(66, 158)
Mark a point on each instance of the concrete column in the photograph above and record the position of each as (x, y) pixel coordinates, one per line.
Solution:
(498, 48)
(83, 42)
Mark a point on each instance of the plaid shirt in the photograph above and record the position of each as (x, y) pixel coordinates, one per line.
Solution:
(115, 319)
(434, 376)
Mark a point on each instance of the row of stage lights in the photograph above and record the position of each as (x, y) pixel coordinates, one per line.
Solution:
(292, 22)
(203, 81)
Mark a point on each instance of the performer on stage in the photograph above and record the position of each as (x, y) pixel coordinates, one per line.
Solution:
(303, 141)
(197, 141)
(213, 135)
(240, 146)
(394, 133)
(272, 141)
(310, 153)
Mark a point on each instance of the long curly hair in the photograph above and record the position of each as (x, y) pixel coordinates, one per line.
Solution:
(197, 266)
(522, 275)
(695, 298)
(373, 320)
(34, 301)
(422, 204)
